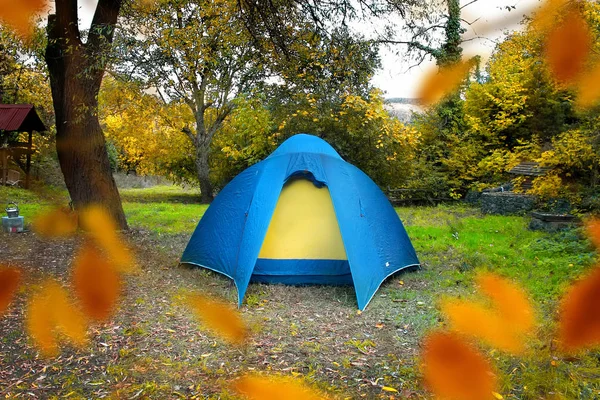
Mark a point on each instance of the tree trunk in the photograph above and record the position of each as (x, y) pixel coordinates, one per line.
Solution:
(75, 83)
(203, 169)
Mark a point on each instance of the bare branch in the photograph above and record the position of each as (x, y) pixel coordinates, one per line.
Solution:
(469, 3)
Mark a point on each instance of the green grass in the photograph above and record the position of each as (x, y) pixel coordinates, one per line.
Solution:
(161, 194)
(164, 217)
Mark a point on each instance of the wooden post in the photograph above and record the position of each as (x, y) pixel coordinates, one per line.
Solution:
(28, 164)
(4, 160)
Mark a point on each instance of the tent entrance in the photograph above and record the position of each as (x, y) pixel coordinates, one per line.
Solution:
(303, 244)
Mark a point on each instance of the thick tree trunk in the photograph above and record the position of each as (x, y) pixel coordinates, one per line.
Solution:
(79, 139)
(203, 170)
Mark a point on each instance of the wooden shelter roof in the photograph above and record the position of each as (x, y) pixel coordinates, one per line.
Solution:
(529, 168)
(20, 118)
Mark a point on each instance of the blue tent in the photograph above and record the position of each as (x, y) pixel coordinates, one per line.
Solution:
(269, 224)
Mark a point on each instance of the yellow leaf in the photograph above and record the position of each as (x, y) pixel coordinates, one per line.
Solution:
(9, 283)
(59, 222)
(272, 388)
(389, 389)
(568, 47)
(97, 284)
(588, 88)
(579, 324)
(510, 300)
(99, 225)
(497, 395)
(50, 312)
(437, 85)
(219, 317)
(455, 369)
(479, 321)
(545, 17)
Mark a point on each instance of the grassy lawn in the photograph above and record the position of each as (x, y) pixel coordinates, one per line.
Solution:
(154, 349)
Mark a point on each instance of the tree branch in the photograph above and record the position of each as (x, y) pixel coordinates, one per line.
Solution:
(103, 24)
(427, 49)
(469, 3)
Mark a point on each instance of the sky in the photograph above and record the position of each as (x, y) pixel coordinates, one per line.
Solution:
(492, 21)
(395, 78)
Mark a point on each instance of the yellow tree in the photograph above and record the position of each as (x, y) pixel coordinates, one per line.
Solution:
(145, 131)
(197, 52)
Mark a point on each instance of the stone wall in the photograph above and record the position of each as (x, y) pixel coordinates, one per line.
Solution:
(506, 203)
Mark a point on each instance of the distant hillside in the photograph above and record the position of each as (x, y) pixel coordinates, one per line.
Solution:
(403, 108)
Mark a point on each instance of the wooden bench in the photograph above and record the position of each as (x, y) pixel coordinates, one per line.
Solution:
(12, 177)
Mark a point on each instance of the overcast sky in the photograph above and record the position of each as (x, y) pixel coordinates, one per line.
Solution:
(492, 22)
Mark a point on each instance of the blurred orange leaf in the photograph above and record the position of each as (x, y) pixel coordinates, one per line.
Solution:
(588, 92)
(579, 325)
(568, 46)
(59, 222)
(479, 321)
(49, 313)
(99, 225)
(502, 326)
(9, 283)
(510, 301)
(438, 84)
(19, 14)
(97, 285)
(256, 387)
(545, 17)
(219, 317)
(455, 369)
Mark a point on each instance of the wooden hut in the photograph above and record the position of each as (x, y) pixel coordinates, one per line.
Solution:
(14, 119)
(529, 170)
